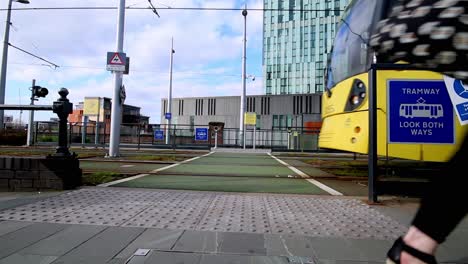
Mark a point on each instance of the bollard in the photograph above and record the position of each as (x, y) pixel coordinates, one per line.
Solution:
(62, 107)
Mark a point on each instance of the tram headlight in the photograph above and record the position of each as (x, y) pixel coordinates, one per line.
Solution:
(355, 100)
(357, 95)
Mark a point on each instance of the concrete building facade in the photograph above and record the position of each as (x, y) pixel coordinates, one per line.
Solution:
(273, 111)
(285, 121)
(296, 43)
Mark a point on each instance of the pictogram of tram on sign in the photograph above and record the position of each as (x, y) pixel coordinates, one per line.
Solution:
(421, 109)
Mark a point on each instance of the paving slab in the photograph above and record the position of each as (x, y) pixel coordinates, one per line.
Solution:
(64, 241)
(11, 226)
(157, 238)
(275, 245)
(167, 258)
(292, 245)
(350, 249)
(197, 241)
(17, 240)
(327, 261)
(239, 259)
(103, 247)
(28, 259)
(454, 249)
(242, 243)
(117, 261)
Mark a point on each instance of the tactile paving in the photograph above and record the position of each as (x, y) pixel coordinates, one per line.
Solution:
(177, 210)
(236, 213)
(209, 211)
(329, 217)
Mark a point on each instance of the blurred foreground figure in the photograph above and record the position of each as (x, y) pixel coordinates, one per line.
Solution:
(430, 34)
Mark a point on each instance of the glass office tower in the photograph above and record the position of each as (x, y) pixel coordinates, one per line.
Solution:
(296, 43)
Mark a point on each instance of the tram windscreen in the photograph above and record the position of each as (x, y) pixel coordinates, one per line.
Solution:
(351, 54)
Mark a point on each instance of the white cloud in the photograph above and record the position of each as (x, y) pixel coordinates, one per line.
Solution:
(207, 61)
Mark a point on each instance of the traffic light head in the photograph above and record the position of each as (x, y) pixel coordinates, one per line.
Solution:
(39, 91)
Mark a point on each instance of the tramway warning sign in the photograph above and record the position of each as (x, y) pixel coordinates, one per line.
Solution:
(419, 111)
(116, 61)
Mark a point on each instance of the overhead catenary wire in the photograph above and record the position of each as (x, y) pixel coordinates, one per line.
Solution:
(171, 8)
(153, 8)
(258, 76)
(35, 56)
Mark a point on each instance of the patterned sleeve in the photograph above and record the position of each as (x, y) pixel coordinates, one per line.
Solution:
(426, 33)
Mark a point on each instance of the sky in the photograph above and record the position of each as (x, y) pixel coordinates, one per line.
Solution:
(207, 61)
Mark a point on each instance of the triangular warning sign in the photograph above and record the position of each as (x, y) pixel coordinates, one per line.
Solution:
(116, 60)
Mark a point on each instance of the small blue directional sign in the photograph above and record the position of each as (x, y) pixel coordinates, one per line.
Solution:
(159, 135)
(201, 134)
(458, 92)
(168, 116)
(420, 112)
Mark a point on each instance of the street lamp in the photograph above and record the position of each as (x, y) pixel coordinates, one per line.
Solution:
(5, 55)
(243, 103)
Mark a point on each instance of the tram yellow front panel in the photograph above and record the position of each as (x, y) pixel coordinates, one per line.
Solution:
(348, 130)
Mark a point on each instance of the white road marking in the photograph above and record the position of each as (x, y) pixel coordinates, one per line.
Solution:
(157, 170)
(298, 172)
(307, 177)
(127, 166)
(324, 187)
(122, 180)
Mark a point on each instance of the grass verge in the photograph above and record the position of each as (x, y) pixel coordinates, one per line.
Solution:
(93, 179)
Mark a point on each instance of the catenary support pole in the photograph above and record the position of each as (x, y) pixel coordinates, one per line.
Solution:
(4, 61)
(31, 118)
(169, 98)
(116, 115)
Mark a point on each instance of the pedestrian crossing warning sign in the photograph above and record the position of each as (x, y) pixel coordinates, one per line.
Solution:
(116, 61)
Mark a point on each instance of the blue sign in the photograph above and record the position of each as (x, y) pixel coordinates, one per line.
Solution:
(460, 99)
(159, 135)
(201, 134)
(168, 116)
(420, 112)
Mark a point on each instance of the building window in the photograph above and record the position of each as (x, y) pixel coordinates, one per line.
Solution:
(250, 104)
(268, 106)
(262, 105)
(212, 106)
(199, 107)
(181, 107)
(275, 121)
(297, 105)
